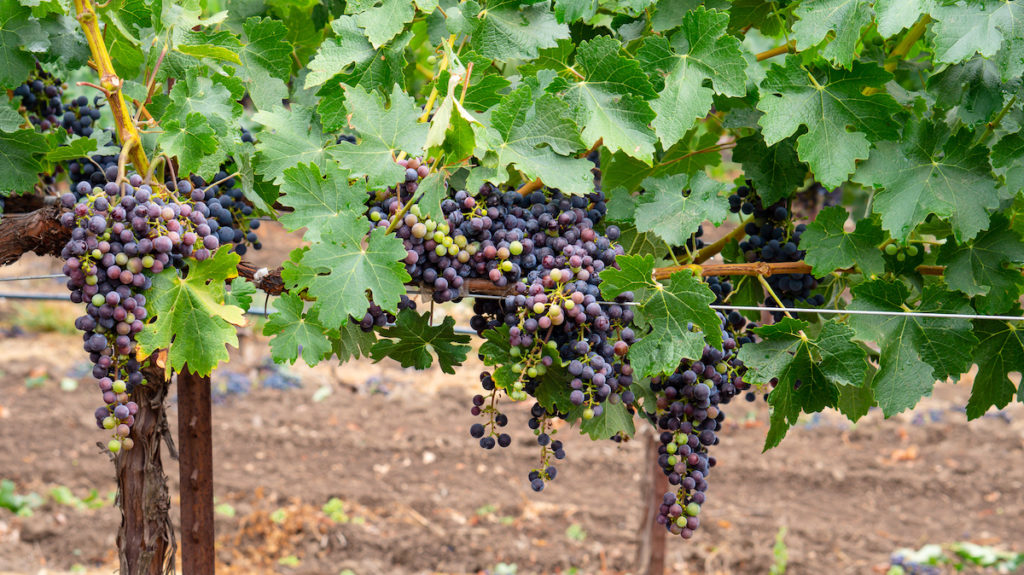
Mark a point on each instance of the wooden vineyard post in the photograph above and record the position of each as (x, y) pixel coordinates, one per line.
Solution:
(145, 540)
(195, 437)
(650, 558)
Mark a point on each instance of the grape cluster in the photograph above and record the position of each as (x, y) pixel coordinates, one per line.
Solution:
(377, 317)
(688, 414)
(41, 96)
(770, 238)
(230, 214)
(120, 237)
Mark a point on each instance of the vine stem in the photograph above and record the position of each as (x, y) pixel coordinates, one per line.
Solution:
(991, 126)
(530, 187)
(111, 83)
(787, 48)
(707, 252)
(771, 292)
(906, 43)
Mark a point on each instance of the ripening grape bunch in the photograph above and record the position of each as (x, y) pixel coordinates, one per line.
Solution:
(688, 414)
(41, 96)
(122, 235)
(771, 237)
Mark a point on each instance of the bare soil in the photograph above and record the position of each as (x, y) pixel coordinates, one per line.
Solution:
(421, 497)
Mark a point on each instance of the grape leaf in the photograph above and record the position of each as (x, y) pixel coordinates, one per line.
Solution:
(689, 156)
(380, 70)
(614, 418)
(10, 119)
(290, 137)
(537, 137)
(700, 52)
(514, 29)
(915, 351)
(412, 339)
(989, 266)
(810, 372)
(1008, 159)
(68, 47)
(320, 202)
(974, 87)
(383, 134)
(191, 140)
(895, 15)
(828, 105)
(665, 211)
(830, 247)
(348, 46)
(240, 294)
(433, 189)
(963, 29)
(569, 11)
(931, 172)
(268, 49)
(351, 342)
(841, 21)
(20, 154)
(666, 311)
(776, 170)
(76, 148)
(17, 28)
(1000, 351)
(855, 401)
(384, 19)
(294, 331)
(206, 43)
(189, 316)
(609, 100)
(347, 270)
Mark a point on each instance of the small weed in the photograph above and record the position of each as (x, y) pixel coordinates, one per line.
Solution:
(20, 505)
(780, 552)
(225, 509)
(278, 516)
(576, 532)
(289, 561)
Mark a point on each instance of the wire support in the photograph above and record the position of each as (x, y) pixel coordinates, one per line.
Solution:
(24, 278)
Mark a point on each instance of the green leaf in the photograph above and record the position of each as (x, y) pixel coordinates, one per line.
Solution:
(539, 138)
(915, 351)
(895, 15)
(383, 133)
(513, 29)
(841, 21)
(191, 141)
(830, 247)
(68, 48)
(10, 119)
(569, 11)
(190, 318)
(810, 372)
(351, 342)
(385, 19)
(609, 101)
(348, 46)
(412, 339)
(963, 29)
(268, 48)
(1000, 352)
(1008, 159)
(614, 418)
(931, 172)
(666, 312)
(776, 171)
(240, 294)
(856, 401)
(290, 137)
(700, 52)
(973, 87)
(222, 45)
(841, 121)
(76, 148)
(347, 271)
(433, 189)
(294, 331)
(673, 216)
(20, 154)
(320, 202)
(989, 266)
(17, 28)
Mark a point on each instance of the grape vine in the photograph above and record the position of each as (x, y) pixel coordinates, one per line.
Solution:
(611, 186)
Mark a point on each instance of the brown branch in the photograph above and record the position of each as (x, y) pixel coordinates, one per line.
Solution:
(766, 269)
(38, 231)
(530, 187)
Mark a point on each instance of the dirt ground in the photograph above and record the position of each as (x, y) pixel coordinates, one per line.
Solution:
(421, 497)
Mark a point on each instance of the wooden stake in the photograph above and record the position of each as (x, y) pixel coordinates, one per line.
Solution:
(195, 437)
